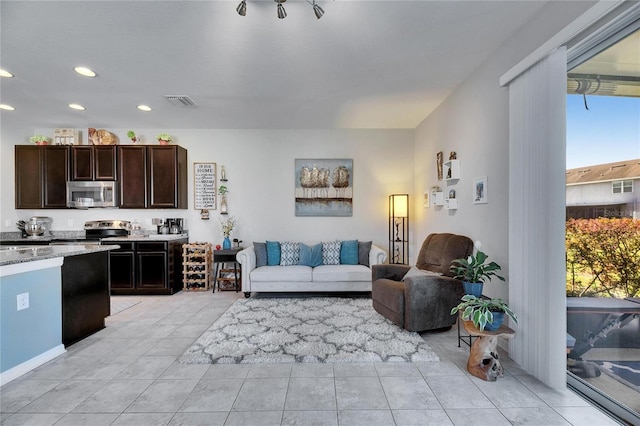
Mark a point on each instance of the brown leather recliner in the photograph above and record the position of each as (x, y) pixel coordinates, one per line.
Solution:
(422, 303)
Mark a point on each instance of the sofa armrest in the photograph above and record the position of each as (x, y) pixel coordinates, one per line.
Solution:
(377, 256)
(247, 259)
(391, 272)
(428, 301)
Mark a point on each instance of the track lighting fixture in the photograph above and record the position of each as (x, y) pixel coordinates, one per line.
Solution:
(242, 8)
(319, 12)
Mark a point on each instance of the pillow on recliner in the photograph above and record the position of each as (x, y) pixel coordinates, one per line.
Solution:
(415, 272)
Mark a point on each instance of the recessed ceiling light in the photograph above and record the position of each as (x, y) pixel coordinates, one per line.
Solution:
(144, 107)
(7, 107)
(85, 71)
(5, 73)
(77, 106)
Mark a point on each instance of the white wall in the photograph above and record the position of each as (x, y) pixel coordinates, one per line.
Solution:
(474, 122)
(260, 169)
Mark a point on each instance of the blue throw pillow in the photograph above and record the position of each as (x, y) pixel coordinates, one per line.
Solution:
(349, 252)
(273, 253)
(364, 247)
(261, 254)
(311, 255)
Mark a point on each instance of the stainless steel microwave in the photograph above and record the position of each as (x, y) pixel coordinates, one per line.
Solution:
(86, 194)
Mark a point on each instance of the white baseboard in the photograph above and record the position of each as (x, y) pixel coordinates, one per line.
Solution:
(25, 367)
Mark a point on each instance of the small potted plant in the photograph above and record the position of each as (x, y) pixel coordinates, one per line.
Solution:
(164, 138)
(486, 314)
(474, 271)
(39, 139)
(132, 135)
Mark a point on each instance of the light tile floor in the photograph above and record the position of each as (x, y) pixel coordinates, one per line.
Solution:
(127, 374)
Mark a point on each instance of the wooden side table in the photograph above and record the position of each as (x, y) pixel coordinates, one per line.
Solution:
(484, 361)
(221, 258)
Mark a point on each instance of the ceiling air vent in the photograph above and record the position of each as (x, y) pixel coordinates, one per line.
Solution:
(181, 101)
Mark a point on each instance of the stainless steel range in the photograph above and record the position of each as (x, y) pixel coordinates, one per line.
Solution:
(98, 229)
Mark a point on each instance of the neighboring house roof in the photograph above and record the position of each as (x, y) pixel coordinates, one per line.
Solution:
(628, 169)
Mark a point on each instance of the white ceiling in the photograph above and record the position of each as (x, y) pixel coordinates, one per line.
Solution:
(365, 64)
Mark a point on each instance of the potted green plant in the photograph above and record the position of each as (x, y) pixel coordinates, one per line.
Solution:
(164, 138)
(486, 314)
(39, 139)
(223, 190)
(474, 271)
(132, 135)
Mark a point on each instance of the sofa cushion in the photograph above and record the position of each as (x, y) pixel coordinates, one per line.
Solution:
(325, 273)
(261, 254)
(364, 247)
(349, 252)
(289, 253)
(331, 253)
(282, 273)
(311, 255)
(273, 253)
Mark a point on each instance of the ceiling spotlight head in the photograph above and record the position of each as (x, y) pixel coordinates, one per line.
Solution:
(318, 10)
(242, 8)
(281, 12)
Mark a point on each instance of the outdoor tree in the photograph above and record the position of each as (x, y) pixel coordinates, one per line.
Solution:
(603, 257)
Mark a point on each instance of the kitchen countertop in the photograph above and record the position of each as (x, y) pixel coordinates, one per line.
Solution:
(147, 237)
(10, 255)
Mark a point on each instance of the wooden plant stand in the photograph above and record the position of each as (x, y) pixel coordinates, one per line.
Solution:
(484, 361)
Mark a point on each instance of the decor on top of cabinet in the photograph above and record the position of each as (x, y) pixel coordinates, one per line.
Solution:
(164, 138)
(227, 227)
(39, 140)
(132, 135)
(101, 137)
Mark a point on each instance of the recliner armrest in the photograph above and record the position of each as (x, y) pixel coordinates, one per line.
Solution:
(392, 272)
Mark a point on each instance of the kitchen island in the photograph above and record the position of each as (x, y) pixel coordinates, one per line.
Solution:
(50, 296)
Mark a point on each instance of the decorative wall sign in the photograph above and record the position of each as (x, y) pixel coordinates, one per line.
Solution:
(439, 162)
(204, 186)
(324, 187)
(480, 190)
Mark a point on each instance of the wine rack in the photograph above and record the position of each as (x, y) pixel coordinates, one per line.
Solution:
(196, 266)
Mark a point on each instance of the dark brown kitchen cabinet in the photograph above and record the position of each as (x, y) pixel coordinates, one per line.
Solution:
(147, 267)
(167, 175)
(132, 177)
(93, 163)
(41, 176)
(153, 176)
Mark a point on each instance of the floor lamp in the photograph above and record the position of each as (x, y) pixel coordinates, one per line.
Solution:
(399, 228)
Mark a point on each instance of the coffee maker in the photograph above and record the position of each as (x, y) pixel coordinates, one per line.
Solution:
(172, 225)
(175, 225)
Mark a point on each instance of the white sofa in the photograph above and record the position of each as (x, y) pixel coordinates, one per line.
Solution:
(300, 278)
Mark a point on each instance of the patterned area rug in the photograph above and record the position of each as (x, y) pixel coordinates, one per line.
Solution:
(318, 329)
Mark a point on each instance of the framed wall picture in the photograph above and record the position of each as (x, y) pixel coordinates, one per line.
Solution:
(204, 186)
(439, 162)
(480, 190)
(324, 187)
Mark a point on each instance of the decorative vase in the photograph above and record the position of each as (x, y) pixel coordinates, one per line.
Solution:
(42, 143)
(226, 243)
(474, 289)
(163, 142)
(498, 319)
